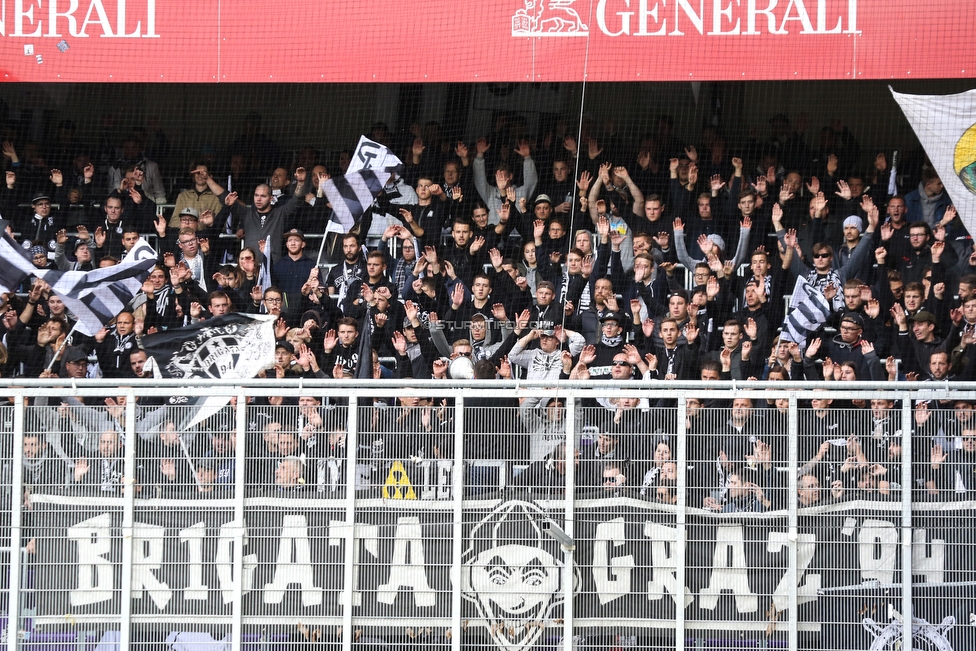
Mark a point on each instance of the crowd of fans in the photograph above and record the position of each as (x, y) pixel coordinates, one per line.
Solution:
(574, 256)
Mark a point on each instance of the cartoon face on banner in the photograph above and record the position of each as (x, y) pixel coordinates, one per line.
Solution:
(925, 636)
(511, 572)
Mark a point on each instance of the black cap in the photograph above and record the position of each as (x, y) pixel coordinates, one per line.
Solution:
(612, 316)
(73, 354)
(281, 343)
(855, 318)
(295, 233)
(40, 197)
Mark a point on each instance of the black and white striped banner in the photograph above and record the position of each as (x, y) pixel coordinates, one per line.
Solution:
(809, 310)
(17, 265)
(350, 195)
(96, 297)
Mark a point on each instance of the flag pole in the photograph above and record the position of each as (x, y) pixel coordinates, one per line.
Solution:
(64, 343)
(186, 454)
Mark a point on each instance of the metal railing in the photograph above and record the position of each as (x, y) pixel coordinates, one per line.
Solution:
(451, 515)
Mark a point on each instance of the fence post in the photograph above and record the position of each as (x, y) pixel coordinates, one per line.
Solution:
(349, 571)
(680, 523)
(240, 524)
(458, 526)
(907, 431)
(128, 520)
(792, 427)
(570, 506)
(16, 524)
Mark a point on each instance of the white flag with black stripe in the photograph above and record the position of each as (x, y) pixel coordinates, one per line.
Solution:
(371, 167)
(96, 297)
(809, 310)
(15, 262)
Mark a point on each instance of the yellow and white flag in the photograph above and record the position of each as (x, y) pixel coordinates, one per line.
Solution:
(946, 127)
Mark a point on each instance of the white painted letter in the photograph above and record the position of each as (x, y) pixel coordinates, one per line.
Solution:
(717, 13)
(931, 566)
(877, 544)
(611, 575)
(121, 20)
(197, 590)
(407, 570)
(801, 15)
(697, 19)
(806, 547)
(147, 543)
(601, 18)
(224, 561)
(96, 6)
(752, 12)
(53, 14)
(95, 580)
(20, 15)
(663, 566)
(643, 13)
(734, 577)
(294, 564)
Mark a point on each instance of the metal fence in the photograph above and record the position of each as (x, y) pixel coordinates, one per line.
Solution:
(342, 514)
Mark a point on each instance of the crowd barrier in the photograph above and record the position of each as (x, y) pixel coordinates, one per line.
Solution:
(374, 514)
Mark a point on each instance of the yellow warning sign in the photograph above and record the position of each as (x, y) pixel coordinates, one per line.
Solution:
(397, 485)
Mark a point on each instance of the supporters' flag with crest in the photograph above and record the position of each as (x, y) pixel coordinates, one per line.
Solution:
(232, 346)
(16, 261)
(808, 311)
(946, 127)
(371, 167)
(96, 297)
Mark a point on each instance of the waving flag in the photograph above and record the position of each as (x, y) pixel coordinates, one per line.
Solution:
(16, 262)
(946, 127)
(96, 297)
(235, 346)
(808, 311)
(371, 167)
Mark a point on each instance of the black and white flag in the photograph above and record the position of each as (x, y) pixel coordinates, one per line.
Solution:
(232, 346)
(371, 167)
(808, 311)
(16, 261)
(96, 297)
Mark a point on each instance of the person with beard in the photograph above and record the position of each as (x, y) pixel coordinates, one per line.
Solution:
(351, 269)
(42, 470)
(103, 473)
(263, 221)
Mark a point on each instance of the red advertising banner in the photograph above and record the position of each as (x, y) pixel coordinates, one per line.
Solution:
(504, 40)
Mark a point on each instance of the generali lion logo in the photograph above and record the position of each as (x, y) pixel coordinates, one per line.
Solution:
(514, 575)
(548, 18)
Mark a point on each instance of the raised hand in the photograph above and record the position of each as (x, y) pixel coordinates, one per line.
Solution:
(843, 190)
(813, 347)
